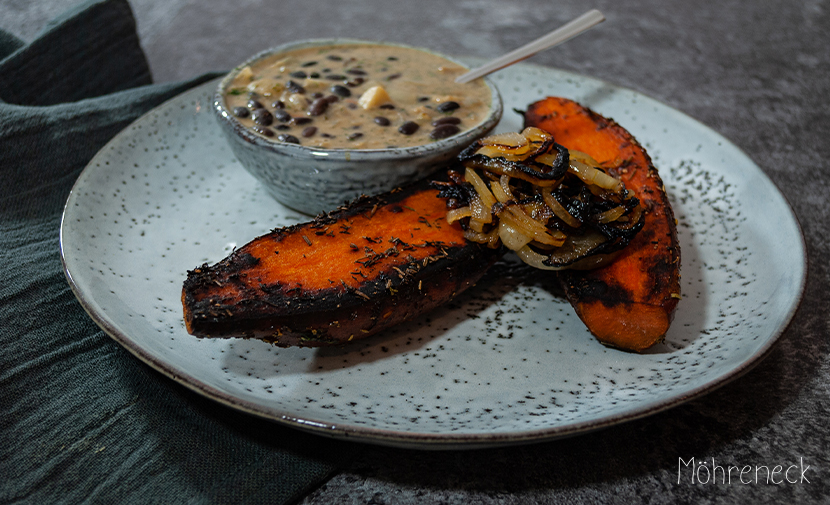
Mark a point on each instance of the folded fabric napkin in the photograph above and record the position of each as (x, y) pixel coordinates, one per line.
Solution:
(81, 419)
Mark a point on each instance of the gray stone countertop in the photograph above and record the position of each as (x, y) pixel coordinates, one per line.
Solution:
(757, 72)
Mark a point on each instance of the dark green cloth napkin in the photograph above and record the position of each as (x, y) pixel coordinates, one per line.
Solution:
(81, 419)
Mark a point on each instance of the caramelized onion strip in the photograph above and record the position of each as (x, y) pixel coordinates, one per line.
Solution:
(558, 210)
(512, 236)
(490, 238)
(534, 259)
(611, 215)
(591, 175)
(480, 212)
(481, 188)
(514, 175)
(504, 182)
(459, 213)
(532, 228)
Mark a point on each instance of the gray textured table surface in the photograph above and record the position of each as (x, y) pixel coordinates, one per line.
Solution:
(756, 72)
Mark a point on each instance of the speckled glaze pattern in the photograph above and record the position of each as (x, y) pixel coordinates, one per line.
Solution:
(506, 363)
(313, 180)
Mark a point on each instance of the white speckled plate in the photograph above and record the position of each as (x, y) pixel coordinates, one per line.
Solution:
(507, 363)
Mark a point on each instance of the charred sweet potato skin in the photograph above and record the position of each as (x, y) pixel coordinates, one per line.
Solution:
(345, 275)
(629, 303)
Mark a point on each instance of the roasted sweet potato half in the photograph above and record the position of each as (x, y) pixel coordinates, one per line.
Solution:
(630, 302)
(345, 275)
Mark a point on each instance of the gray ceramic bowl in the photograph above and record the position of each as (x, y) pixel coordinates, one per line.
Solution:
(312, 180)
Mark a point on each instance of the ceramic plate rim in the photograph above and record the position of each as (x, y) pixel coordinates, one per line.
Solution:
(440, 441)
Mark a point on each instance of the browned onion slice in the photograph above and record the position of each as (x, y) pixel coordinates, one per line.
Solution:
(556, 210)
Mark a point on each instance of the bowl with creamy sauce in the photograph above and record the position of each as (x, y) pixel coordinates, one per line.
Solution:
(320, 122)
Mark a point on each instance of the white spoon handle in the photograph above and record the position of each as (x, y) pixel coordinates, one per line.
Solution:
(568, 31)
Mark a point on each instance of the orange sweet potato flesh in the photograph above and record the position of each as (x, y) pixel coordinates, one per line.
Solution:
(345, 275)
(629, 303)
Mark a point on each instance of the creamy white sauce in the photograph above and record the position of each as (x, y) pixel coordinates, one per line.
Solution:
(389, 90)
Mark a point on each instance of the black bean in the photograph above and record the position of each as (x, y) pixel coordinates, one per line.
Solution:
(334, 57)
(354, 136)
(443, 131)
(240, 112)
(253, 104)
(392, 77)
(294, 87)
(357, 81)
(299, 74)
(278, 105)
(262, 117)
(447, 106)
(327, 135)
(332, 98)
(336, 77)
(356, 71)
(282, 127)
(317, 95)
(392, 58)
(382, 121)
(282, 116)
(314, 75)
(340, 90)
(291, 139)
(301, 120)
(309, 64)
(268, 132)
(309, 131)
(387, 106)
(423, 98)
(408, 128)
(318, 107)
(446, 120)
